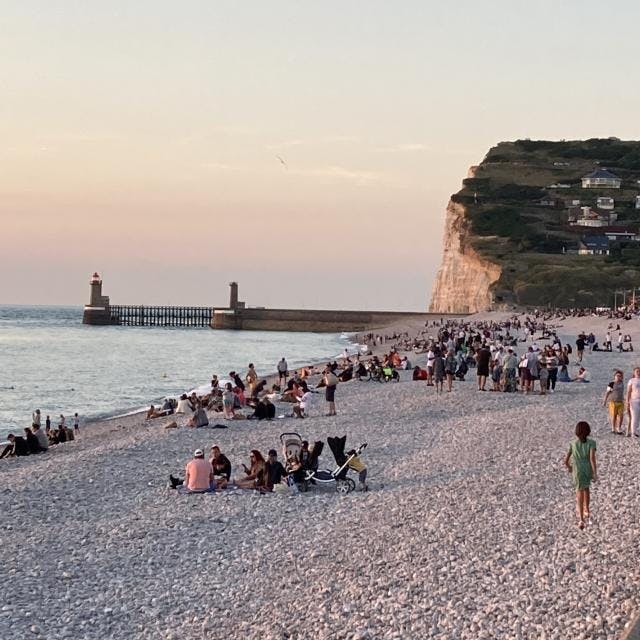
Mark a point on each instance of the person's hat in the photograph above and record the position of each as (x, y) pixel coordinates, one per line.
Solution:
(198, 453)
(273, 452)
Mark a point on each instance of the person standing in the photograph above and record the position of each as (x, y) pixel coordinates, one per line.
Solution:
(450, 365)
(438, 370)
(48, 423)
(581, 462)
(483, 356)
(283, 371)
(607, 341)
(552, 368)
(36, 418)
(251, 378)
(76, 423)
(580, 347)
(633, 404)
(614, 397)
(330, 381)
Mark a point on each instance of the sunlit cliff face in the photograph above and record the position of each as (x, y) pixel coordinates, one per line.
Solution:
(464, 278)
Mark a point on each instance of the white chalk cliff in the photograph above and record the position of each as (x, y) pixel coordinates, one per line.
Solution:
(464, 278)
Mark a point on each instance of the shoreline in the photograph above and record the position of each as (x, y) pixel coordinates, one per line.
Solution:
(468, 529)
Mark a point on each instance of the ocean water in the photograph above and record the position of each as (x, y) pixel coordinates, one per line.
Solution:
(50, 361)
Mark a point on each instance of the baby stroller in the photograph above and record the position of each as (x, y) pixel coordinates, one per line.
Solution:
(389, 374)
(306, 474)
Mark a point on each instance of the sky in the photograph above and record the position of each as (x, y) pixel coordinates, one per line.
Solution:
(143, 139)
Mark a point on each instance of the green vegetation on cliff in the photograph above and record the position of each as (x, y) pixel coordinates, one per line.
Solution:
(527, 211)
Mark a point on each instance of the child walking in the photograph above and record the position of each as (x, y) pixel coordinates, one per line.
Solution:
(582, 452)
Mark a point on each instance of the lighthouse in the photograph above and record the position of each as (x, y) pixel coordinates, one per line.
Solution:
(97, 311)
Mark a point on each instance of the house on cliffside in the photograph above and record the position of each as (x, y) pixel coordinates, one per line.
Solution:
(601, 179)
(594, 246)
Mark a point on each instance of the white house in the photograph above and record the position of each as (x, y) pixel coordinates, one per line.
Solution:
(588, 217)
(605, 203)
(620, 233)
(601, 179)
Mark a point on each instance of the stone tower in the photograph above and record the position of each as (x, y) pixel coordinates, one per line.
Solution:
(97, 311)
(233, 295)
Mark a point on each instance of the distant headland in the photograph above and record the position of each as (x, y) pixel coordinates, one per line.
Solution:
(543, 223)
(237, 315)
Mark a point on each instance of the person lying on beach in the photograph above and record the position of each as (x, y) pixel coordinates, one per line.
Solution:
(17, 447)
(198, 475)
(153, 412)
(255, 474)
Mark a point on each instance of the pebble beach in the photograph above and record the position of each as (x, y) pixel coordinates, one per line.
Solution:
(468, 530)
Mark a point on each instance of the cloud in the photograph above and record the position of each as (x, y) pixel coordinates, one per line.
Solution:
(219, 166)
(407, 146)
(325, 140)
(357, 176)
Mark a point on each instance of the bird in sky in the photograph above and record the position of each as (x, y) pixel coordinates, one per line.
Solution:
(284, 164)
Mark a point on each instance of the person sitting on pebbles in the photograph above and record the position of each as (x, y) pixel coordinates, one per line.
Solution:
(221, 467)
(199, 418)
(255, 474)
(198, 476)
(583, 376)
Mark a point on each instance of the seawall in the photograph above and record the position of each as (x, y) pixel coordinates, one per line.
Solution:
(314, 320)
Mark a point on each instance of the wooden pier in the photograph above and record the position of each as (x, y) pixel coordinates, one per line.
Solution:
(141, 316)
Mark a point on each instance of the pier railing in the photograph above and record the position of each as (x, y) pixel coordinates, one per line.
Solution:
(141, 316)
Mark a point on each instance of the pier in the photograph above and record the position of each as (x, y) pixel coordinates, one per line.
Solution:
(100, 311)
(237, 316)
(141, 316)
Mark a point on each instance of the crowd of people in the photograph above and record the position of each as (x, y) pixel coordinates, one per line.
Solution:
(261, 474)
(35, 440)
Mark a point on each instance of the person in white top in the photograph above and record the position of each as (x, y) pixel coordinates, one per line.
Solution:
(633, 404)
(301, 407)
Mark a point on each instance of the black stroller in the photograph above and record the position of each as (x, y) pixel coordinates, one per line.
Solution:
(304, 477)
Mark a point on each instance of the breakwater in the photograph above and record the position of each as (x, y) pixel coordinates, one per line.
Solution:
(316, 320)
(237, 316)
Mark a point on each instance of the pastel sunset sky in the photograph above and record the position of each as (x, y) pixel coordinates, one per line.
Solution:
(143, 139)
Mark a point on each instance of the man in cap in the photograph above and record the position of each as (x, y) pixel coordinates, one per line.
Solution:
(198, 475)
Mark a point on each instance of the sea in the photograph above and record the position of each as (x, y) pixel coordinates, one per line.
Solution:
(50, 361)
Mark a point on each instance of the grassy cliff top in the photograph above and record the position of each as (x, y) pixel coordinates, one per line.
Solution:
(512, 223)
